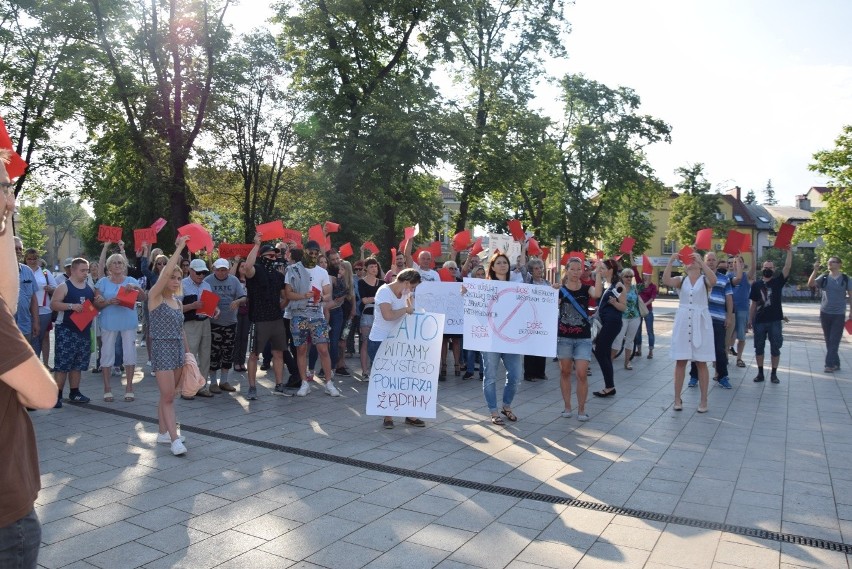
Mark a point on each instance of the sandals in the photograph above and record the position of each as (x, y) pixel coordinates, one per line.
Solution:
(509, 415)
(628, 365)
(387, 423)
(497, 420)
(108, 397)
(678, 406)
(740, 363)
(129, 396)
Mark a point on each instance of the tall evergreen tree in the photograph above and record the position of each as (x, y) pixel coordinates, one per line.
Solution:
(769, 194)
(750, 198)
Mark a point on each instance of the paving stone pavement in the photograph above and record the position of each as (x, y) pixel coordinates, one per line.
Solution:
(769, 457)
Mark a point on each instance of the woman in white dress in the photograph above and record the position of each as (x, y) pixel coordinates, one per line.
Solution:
(692, 335)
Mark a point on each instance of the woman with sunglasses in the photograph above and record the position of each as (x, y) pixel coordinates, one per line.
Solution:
(630, 318)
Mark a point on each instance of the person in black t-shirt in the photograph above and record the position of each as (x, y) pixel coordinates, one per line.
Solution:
(765, 314)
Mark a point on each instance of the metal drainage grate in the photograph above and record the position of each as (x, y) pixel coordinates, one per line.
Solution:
(501, 490)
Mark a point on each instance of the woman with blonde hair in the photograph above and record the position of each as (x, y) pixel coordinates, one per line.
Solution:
(631, 318)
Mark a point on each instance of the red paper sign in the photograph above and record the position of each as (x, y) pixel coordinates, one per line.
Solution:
(579, 254)
(232, 250)
(317, 293)
(704, 239)
(461, 240)
(446, 276)
(199, 238)
(140, 236)
(647, 267)
(127, 297)
(109, 233)
(315, 234)
(345, 250)
(371, 247)
(331, 227)
(517, 230)
(435, 249)
(410, 232)
(209, 302)
(477, 247)
(84, 317)
(627, 245)
(746, 246)
(733, 243)
(159, 224)
(599, 254)
(785, 236)
(533, 248)
(271, 230)
(685, 255)
(294, 237)
(393, 256)
(564, 260)
(16, 165)
(545, 252)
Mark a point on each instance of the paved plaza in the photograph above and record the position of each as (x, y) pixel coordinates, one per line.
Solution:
(764, 479)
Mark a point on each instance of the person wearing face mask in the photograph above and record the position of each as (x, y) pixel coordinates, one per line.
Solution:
(720, 301)
(766, 314)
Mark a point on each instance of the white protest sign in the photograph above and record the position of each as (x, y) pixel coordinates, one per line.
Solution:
(404, 376)
(510, 318)
(506, 244)
(442, 298)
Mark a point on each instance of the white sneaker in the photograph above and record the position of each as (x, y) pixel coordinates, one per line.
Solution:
(166, 439)
(304, 389)
(178, 448)
(330, 389)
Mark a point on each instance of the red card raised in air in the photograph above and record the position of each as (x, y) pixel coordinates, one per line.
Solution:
(232, 250)
(461, 240)
(627, 245)
(271, 230)
(545, 253)
(410, 232)
(685, 255)
(477, 247)
(331, 227)
(159, 224)
(533, 248)
(746, 246)
(199, 238)
(293, 236)
(345, 250)
(516, 229)
(579, 254)
(127, 297)
(647, 267)
(209, 302)
(435, 249)
(16, 165)
(734, 242)
(109, 233)
(315, 234)
(704, 239)
(371, 247)
(140, 236)
(785, 236)
(84, 317)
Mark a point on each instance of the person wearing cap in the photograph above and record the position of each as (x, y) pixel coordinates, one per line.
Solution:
(66, 268)
(265, 285)
(197, 326)
(307, 287)
(223, 329)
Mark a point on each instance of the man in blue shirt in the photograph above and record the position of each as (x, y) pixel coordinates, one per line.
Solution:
(741, 283)
(27, 315)
(721, 306)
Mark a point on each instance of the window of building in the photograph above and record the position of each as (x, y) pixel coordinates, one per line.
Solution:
(738, 218)
(668, 247)
(720, 216)
(763, 219)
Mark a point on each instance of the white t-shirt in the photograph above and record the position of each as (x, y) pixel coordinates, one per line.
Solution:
(319, 278)
(381, 327)
(428, 274)
(43, 279)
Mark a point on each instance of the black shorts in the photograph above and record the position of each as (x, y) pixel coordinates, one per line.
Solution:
(271, 331)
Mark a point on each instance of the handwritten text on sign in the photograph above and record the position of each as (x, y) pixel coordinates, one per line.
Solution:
(444, 298)
(404, 376)
(509, 317)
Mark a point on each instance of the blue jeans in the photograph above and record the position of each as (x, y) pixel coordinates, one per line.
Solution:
(44, 324)
(649, 326)
(19, 543)
(514, 372)
(373, 349)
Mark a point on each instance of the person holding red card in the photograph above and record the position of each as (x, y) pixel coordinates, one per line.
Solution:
(766, 314)
(692, 334)
(117, 320)
(196, 325)
(73, 345)
(835, 289)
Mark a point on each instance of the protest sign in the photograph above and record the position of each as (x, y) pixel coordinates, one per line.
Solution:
(231, 250)
(442, 298)
(404, 375)
(271, 230)
(109, 233)
(505, 244)
(510, 317)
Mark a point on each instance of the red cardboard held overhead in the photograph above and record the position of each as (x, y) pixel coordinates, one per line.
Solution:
(461, 240)
(785, 236)
(233, 250)
(371, 247)
(435, 249)
(410, 232)
(627, 245)
(746, 246)
(545, 253)
(704, 239)
(647, 267)
(517, 230)
(109, 233)
(199, 238)
(315, 233)
(271, 230)
(147, 236)
(393, 255)
(293, 237)
(734, 242)
(446, 276)
(331, 227)
(579, 254)
(685, 255)
(159, 224)
(564, 260)
(345, 250)
(477, 247)
(16, 165)
(533, 247)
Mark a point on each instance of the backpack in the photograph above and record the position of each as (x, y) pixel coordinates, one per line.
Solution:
(824, 279)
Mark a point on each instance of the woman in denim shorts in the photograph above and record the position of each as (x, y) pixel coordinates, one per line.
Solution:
(574, 334)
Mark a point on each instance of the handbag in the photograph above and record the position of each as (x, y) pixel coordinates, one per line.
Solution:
(191, 379)
(643, 308)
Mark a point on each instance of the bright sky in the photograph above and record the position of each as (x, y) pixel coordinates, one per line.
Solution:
(751, 88)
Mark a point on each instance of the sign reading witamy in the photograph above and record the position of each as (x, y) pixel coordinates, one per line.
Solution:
(404, 376)
(442, 298)
(509, 317)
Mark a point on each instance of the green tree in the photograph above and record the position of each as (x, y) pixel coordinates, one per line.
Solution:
(750, 198)
(695, 208)
(834, 221)
(632, 222)
(31, 227)
(769, 194)
(64, 216)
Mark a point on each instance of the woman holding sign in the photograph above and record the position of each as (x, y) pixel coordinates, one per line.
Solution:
(116, 298)
(574, 334)
(692, 334)
(392, 302)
